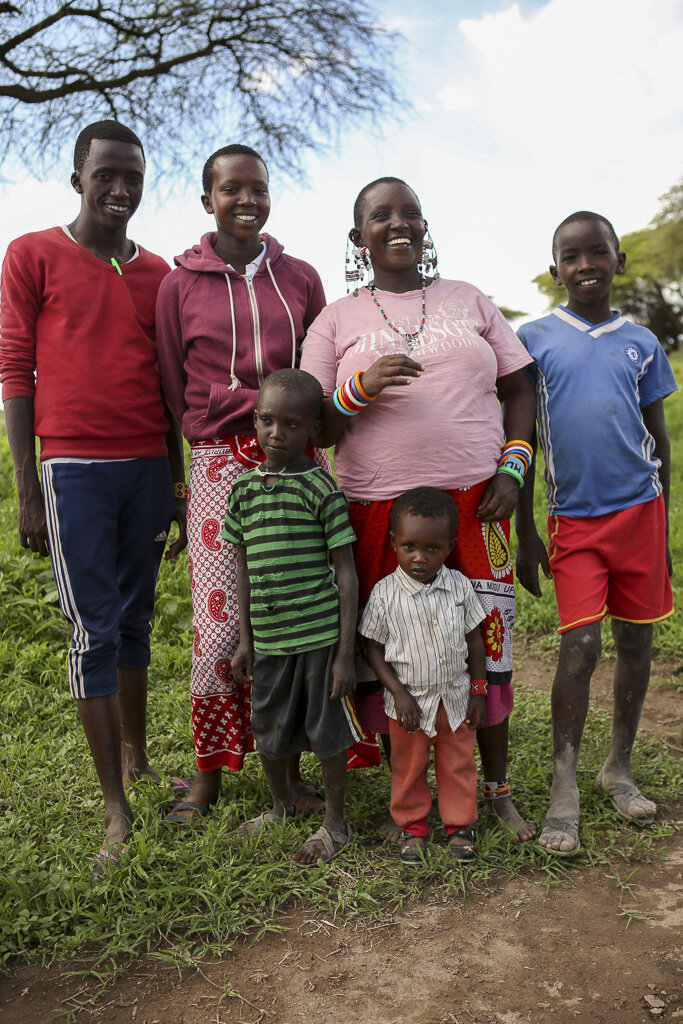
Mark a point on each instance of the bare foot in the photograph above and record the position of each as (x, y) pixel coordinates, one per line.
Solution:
(118, 826)
(504, 809)
(147, 775)
(391, 831)
(204, 790)
(625, 796)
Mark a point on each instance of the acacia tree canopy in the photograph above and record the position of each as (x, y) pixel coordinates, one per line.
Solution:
(651, 289)
(188, 74)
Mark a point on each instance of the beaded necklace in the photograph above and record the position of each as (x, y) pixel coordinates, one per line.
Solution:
(412, 339)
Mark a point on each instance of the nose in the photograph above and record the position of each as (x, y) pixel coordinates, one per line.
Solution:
(586, 261)
(119, 188)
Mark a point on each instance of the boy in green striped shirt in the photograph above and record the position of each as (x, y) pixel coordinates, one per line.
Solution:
(298, 602)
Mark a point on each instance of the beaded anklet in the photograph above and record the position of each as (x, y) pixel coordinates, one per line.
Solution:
(515, 460)
(496, 790)
(350, 398)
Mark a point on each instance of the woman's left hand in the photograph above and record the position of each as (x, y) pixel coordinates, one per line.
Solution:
(500, 498)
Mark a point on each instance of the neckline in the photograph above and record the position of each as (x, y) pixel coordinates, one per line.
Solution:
(615, 314)
(107, 263)
(402, 295)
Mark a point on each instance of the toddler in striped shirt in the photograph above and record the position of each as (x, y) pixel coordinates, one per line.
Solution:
(424, 644)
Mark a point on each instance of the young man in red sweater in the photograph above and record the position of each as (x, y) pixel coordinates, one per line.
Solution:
(79, 370)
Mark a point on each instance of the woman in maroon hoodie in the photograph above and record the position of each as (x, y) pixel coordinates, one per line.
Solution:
(234, 309)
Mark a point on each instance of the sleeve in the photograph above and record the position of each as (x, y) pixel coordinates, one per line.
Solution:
(658, 380)
(21, 299)
(170, 347)
(319, 353)
(373, 623)
(509, 351)
(232, 527)
(532, 368)
(316, 300)
(334, 516)
(474, 613)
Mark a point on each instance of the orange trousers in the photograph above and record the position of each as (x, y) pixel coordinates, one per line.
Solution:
(456, 776)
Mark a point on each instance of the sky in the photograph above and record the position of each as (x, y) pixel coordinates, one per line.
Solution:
(521, 114)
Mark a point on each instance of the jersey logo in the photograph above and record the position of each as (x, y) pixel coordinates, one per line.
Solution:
(633, 353)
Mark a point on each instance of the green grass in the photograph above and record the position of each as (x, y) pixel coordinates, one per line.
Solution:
(186, 895)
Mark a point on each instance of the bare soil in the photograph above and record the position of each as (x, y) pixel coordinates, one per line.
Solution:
(522, 953)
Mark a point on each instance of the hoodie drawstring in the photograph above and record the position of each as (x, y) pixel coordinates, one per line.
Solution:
(291, 321)
(235, 382)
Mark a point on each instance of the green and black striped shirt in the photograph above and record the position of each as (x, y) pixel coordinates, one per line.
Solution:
(288, 530)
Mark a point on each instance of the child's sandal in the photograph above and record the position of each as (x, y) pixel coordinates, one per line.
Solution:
(461, 845)
(413, 849)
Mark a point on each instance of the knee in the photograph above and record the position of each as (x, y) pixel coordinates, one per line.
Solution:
(633, 640)
(580, 650)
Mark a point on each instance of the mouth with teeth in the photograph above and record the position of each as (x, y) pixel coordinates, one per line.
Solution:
(588, 282)
(117, 208)
(400, 242)
(246, 218)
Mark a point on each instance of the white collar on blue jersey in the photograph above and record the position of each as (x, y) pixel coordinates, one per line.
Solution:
(595, 330)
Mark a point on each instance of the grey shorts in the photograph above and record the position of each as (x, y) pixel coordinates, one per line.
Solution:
(291, 709)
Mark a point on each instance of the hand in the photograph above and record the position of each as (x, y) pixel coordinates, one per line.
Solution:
(242, 664)
(390, 371)
(531, 552)
(32, 524)
(343, 677)
(500, 498)
(408, 712)
(476, 712)
(180, 543)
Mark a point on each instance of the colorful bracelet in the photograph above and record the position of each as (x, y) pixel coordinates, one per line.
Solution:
(480, 687)
(515, 460)
(350, 398)
(180, 490)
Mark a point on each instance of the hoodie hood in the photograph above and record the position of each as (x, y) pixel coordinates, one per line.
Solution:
(202, 258)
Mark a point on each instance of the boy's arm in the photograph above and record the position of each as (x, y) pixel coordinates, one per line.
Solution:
(343, 668)
(518, 398)
(174, 444)
(476, 663)
(408, 712)
(531, 551)
(242, 663)
(19, 423)
(655, 423)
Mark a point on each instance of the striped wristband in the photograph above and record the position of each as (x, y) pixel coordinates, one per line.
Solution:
(515, 460)
(350, 397)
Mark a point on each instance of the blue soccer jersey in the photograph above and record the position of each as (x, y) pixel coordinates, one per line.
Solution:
(592, 381)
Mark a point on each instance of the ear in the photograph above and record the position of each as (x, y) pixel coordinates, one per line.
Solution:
(354, 235)
(392, 538)
(76, 182)
(451, 544)
(621, 263)
(255, 417)
(555, 276)
(315, 430)
(207, 204)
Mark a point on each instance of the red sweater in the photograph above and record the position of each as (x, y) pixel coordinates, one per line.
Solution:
(88, 333)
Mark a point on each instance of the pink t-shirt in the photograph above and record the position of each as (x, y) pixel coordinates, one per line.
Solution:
(445, 429)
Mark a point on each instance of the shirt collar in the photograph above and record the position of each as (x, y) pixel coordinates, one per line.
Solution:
(252, 267)
(412, 587)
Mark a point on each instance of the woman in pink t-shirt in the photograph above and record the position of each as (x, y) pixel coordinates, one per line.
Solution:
(457, 388)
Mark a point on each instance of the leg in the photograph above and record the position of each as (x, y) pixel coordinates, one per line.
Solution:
(580, 650)
(631, 678)
(133, 711)
(334, 778)
(306, 799)
(493, 748)
(100, 719)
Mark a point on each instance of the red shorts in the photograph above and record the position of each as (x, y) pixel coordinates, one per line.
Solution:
(611, 565)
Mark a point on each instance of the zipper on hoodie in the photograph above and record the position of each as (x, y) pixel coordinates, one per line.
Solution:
(257, 330)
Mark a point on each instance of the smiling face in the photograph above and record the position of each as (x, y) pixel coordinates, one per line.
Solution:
(392, 228)
(587, 261)
(422, 544)
(285, 423)
(239, 198)
(110, 183)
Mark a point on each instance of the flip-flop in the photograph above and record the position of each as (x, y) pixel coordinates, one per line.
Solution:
(333, 842)
(178, 785)
(107, 860)
(621, 794)
(300, 793)
(570, 826)
(175, 818)
(413, 849)
(255, 826)
(463, 851)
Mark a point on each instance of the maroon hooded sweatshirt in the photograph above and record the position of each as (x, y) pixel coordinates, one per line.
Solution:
(220, 334)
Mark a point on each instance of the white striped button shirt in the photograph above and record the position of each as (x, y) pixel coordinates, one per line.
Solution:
(423, 627)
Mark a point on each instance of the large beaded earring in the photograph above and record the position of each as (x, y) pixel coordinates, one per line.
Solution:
(429, 261)
(358, 271)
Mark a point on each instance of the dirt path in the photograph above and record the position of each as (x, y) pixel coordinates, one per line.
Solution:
(520, 954)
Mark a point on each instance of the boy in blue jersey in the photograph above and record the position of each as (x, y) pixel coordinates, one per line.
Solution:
(600, 384)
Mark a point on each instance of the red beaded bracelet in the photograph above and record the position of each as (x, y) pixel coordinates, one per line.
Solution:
(479, 687)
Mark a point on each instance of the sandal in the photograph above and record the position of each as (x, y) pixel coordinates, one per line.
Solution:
(568, 826)
(307, 800)
(255, 826)
(175, 818)
(413, 848)
(107, 860)
(332, 841)
(461, 845)
(622, 795)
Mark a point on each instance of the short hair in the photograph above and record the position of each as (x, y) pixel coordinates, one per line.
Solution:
(429, 502)
(298, 382)
(235, 149)
(362, 195)
(112, 131)
(583, 215)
